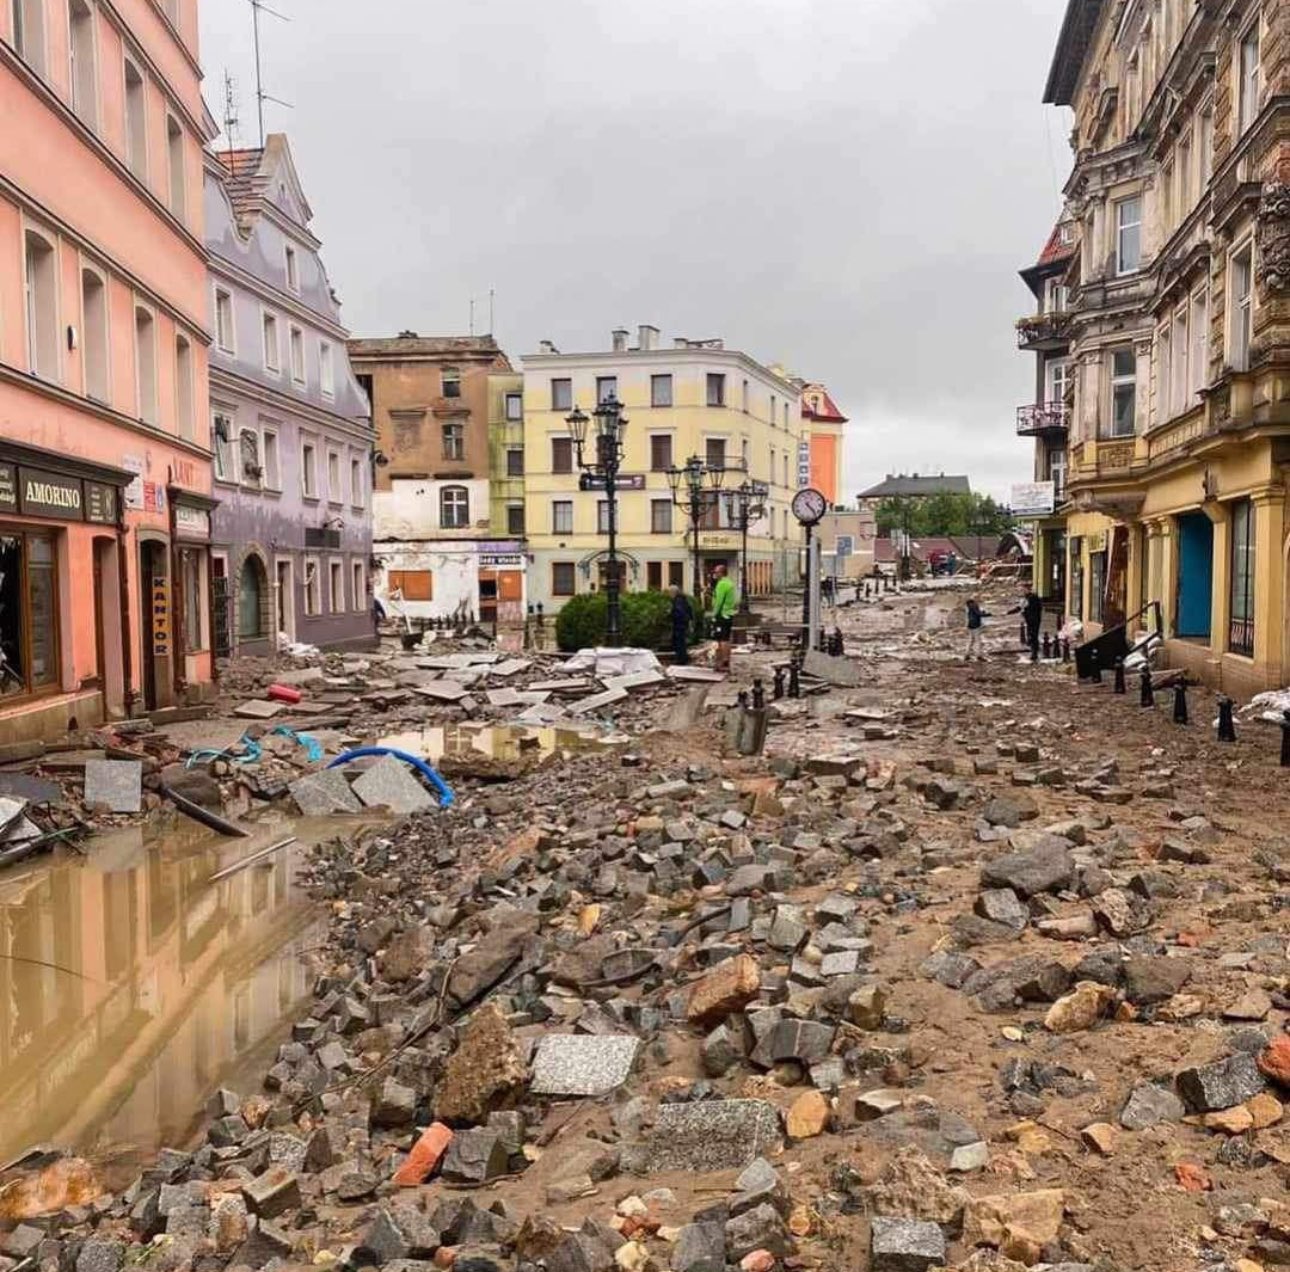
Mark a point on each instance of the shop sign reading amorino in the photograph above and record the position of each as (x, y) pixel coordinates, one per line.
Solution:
(34, 492)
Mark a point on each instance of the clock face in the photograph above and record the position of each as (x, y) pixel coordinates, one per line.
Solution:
(809, 506)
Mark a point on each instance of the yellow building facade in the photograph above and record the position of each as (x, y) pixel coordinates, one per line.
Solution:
(1179, 316)
(691, 398)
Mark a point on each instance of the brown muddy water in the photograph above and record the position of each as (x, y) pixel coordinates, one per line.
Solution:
(131, 987)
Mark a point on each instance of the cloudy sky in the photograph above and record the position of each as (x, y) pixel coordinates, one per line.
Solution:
(844, 186)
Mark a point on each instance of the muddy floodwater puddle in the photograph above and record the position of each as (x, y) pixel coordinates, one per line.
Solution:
(132, 986)
(484, 749)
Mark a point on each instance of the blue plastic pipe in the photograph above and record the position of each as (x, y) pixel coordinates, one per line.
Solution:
(442, 789)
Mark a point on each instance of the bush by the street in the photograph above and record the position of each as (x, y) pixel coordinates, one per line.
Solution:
(584, 620)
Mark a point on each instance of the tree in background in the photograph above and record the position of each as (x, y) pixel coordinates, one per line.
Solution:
(943, 514)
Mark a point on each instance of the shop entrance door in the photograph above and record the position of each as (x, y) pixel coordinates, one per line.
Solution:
(1195, 575)
(156, 626)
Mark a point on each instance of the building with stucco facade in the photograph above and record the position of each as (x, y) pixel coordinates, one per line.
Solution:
(290, 430)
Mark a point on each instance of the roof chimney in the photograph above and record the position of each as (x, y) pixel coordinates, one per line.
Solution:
(620, 339)
(545, 346)
(648, 336)
(680, 342)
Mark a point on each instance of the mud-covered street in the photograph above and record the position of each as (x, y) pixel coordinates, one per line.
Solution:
(975, 967)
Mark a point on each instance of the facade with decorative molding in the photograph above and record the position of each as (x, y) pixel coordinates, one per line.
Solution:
(1179, 327)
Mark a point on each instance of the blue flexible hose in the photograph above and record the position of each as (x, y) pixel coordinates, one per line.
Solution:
(442, 789)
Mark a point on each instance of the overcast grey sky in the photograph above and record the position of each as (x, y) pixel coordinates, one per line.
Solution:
(844, 186)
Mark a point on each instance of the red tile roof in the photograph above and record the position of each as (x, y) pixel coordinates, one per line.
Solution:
(1055, 250)
(828, 408)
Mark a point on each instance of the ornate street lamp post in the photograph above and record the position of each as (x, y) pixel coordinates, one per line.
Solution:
(695, 490)
(604, 467)
(745, 504)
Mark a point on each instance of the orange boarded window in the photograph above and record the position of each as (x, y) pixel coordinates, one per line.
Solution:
(415, 585)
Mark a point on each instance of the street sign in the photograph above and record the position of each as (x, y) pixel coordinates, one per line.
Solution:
(1034, 498)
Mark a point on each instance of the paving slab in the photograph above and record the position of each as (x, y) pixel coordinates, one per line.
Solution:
(704, 675)
(714, 1135)
(510, 667)
(598, 700)
(258, 709)
(324, 792)
(579, 684)
(580, 1064)
(837, 671)
(116, 784)
(389, 784)
(35, 790)
(443, 690)
(635, 680)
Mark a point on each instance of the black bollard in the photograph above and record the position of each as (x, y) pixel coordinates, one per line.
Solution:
(777, 689)
(1148, 696)
(1046, 646)
(1096, 674)
(1120, 686)
(1285, 739)
(794, 679)
(1025, 636)
(1226, 722)
(758, 695)
(1180, 702)
(742, 699)
(1066, 650)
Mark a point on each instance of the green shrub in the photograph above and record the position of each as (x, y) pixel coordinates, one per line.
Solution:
(646, 618)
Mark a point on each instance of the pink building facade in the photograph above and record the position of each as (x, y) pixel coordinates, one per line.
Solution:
(105, 472)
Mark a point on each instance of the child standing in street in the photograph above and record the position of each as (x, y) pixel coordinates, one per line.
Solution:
(975, 645)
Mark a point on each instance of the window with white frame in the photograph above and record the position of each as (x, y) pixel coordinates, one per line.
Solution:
(514, 407)
(136, 121)
(175, 165)
(1055, 296)
(334, 492)
(1128, 230)
(336, 586)
(42, 305)
(358, 586)
(454, 508)
(1058, 376)
(293, 268)
(94, 334)
(272, 353)
(1164, 371)
(272, 462)
(1242, 292)
(145, 353)
(28, 18)
(562, 516)
(183, 386)
(222, 445)
(326, 372)
(356, 481)
(312, 587)
(250, 462)
(297, 343)
(1199, 340)
(309, 468)
(1124, 393)
(1249, 77)
(1178, 396)
(84, 72)
(224, 320)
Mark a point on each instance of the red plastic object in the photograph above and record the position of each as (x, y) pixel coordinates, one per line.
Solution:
(283, 693)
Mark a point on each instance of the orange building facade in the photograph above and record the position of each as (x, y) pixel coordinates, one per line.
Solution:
(105, 473)
(824, 440)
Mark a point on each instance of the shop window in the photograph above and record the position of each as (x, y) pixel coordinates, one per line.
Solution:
(253, 600)
(190, 581)
(1096, 586)
(654, 576)
(94, 335)
(1241, 580)
(1077, 578)
(676, 574)
(28, 614)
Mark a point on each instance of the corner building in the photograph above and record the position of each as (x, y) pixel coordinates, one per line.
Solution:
(105, 479)
(1180, 326)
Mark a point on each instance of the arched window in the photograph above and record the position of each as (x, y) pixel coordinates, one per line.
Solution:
(252, 596)
(28, 18)
(175, 160)
(136, 129)
(84, 77)
(94, 335)
(42, 306)
(145, 344)
(183, 386)
(454, 508)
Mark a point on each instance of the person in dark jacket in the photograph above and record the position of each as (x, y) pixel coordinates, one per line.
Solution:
(975, 642)
(1031, 610)
(681, 614)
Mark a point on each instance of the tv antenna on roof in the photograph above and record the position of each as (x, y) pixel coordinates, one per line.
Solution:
(230, 112)
(260, 95)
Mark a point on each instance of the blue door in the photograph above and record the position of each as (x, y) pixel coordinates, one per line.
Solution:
(1195, 574)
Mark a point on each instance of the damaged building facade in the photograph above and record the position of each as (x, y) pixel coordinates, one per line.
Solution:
(435, 407)
(1180, 326)
(290, 431)
(104, 467)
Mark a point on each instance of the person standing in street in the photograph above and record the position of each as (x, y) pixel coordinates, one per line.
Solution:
(680, 626)
(975, 617)
(723, 615)
(1031, 610)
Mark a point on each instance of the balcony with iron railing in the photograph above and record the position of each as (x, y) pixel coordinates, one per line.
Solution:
(1044, 331)
(1039, 419)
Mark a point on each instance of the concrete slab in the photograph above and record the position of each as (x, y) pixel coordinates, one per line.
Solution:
(36, 790)
(325, 792)
(698, 675)
(836, 671)
(389, 784)
(443, 691)
(713, 1135)
(258, 709)
(510, 667)
(584, 706)
(635, 680)
(116, 784)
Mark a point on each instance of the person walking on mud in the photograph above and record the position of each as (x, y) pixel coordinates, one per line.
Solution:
(681, 614)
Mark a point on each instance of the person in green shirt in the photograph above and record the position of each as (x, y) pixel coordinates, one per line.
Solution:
(723, 615)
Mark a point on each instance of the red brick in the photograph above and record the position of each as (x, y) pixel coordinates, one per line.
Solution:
(425, 1156)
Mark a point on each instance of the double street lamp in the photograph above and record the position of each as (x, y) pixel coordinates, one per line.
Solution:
(696, 487)
(745, 504)
(603, 467)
